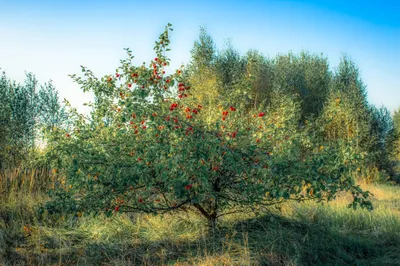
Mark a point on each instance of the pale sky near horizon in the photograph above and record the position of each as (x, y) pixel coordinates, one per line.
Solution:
(52, 39)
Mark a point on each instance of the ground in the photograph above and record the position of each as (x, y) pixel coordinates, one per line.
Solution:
(290, 234)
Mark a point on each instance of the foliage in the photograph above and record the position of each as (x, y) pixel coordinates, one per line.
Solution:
(260, 71)
(395, 141)
(348, 83)
(383, 138)
(305, 75)
(144, 147)
(230, 69)
(337, 100)
(24, 110)
(251, 80)
(200, 74)
(367, 130)
(203, 52)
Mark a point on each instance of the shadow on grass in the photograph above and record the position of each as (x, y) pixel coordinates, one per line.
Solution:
(265, 240)
(303, 243)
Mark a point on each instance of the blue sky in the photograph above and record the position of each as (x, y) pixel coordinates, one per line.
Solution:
(52, 39)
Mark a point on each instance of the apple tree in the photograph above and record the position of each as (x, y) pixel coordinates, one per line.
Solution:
(144, 148)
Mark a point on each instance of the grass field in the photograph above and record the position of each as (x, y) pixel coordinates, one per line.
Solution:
(290, 234)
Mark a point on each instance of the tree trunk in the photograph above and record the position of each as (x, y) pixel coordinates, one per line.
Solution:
(212, 224)
(211, 218)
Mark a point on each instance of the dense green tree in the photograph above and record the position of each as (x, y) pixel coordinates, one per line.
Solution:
(351, 92)
(396, 120)
(306, 75)
(395, 148)
(51, 112)
(348, 116)
(203, 52)
(230, 68)
(201, 75)
(382, 140)
(24, 110)
(260, 72)
(18, 118)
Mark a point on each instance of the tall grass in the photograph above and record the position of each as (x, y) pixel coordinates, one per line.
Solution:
(28, 180)
(290, 234)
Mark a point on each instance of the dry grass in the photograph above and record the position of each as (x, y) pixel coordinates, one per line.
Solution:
(26, 180)
(292, 234)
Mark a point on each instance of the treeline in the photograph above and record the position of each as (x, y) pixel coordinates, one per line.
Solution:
(334, 100)
(25, 110)
(301, 87)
